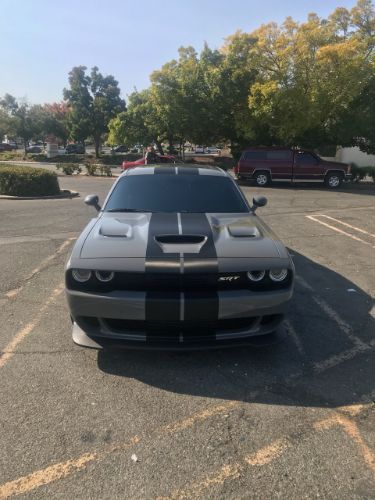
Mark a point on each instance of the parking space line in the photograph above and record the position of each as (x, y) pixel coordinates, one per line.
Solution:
(63, 469)
(332, 314)
(347, 225)
(9, 350)
(294, 336)
(261, 457)
(313, 218)
(13, 293)
(351, 429)
(271, 452)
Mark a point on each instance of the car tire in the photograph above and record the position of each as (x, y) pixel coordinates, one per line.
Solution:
(333, 180)
(262, 178)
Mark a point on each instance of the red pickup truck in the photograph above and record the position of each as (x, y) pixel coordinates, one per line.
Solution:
(266, 164)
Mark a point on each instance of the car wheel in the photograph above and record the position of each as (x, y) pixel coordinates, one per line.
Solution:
(333, 180)
(262, 179)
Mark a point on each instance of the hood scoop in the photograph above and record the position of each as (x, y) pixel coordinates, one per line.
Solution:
(181, 243)
(243, 231)
(115, 228)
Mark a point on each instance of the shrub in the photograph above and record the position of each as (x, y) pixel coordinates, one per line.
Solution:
(105, 170)
(16, 180)
(69, 168)
(359, 173)
(90, 167)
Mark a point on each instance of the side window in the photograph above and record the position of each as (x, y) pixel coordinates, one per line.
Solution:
(278, 155)
(306, 159)
(255, 155)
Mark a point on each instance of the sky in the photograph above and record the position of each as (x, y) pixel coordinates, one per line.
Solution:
(41, 40)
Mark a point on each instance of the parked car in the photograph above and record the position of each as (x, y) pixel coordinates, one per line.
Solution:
(199, 149)
(213, 150)
(61, 150)
(141, 161)
(78, 149)
(263, 165)
(34, 149)
(176, 261)
(4, 146)
(121, 149)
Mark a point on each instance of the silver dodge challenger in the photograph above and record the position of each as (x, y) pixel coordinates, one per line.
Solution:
(176, 259)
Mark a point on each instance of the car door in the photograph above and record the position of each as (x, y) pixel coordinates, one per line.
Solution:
(280, 163)
(307, 166)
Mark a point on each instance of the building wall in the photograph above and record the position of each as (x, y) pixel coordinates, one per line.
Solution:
(355, 155)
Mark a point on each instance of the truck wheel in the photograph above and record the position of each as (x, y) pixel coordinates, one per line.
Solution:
(333, 180)
(262, 179)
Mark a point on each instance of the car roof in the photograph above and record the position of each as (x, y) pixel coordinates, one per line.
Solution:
(267, 148)
(176, 169)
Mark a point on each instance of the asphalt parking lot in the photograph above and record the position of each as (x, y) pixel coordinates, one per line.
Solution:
(290, 417)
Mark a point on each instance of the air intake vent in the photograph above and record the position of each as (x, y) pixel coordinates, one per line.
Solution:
(182, 239)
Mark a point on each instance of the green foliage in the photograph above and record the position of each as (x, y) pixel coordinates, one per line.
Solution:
(69, 168)
(360, 173)
(91, 167)
(93, 101)
(17, 180)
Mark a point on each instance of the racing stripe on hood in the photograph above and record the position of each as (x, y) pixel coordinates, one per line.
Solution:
(161, 306)
(200, 305)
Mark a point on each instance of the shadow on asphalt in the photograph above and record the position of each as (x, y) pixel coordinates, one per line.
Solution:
(275, 370)
(360, 188)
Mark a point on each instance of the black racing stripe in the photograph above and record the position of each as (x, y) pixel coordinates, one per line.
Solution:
(161, 308)
(200, 305)
(156, 260)
(206, 260)
(161, 305)
(164, 170)
(188, 170)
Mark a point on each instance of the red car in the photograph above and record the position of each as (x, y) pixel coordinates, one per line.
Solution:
(141, 161)
(263, 165)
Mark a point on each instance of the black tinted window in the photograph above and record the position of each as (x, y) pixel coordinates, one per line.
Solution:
(255, 155)
(176, 193)
(306, 159)
(278, 155)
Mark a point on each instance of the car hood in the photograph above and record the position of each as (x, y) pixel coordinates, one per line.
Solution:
(135, 235)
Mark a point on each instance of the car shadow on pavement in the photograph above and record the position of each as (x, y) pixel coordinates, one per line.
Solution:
(322, 356)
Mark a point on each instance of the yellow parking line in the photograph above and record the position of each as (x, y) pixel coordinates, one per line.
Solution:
(271, 452)
(63, 469)
(261, 457)
(351, 429)
(9, 349)
(13, 293)
(339, 231)
(347, 225)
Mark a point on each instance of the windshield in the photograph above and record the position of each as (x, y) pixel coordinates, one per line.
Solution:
(175, 193)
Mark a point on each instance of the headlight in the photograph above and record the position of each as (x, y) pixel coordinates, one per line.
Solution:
(81, 275)
(256, 275)
(278, 274)
(104, 276)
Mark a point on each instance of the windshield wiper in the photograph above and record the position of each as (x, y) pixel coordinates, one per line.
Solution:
(125, 210)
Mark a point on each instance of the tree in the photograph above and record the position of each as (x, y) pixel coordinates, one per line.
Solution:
(22, 120)
(55, 124)
(138, 124)
(93, 100)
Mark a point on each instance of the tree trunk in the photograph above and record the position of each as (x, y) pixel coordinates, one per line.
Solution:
(170, 141)
(97, 147)
(159, 146)
(25, 146)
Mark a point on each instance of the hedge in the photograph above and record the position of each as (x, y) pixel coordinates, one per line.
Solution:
(18, 180)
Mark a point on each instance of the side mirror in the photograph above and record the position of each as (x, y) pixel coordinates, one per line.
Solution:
(258, 201)
(93, 201)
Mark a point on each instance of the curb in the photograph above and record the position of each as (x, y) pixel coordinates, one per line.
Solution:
(65, 193)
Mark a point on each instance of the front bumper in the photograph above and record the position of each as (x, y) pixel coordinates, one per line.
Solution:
(121, 318)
